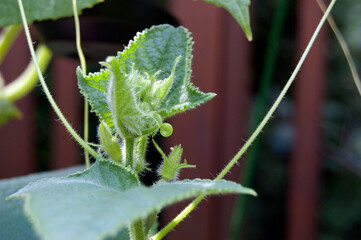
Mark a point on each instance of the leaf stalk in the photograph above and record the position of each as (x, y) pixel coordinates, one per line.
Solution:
(129, 151)
(137, 230)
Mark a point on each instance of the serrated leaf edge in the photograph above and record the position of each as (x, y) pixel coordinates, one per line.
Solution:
(93, 108)
(149, 210)
(192, 194)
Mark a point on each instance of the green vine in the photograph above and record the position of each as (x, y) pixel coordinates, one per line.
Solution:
(83, 67)
(344, 48)
(19, 87)
(7, 38)
(260, 106)
(46, 90)
(29, 78)
(258, 130)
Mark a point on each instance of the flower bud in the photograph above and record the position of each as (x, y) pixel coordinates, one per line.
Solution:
(110, 143)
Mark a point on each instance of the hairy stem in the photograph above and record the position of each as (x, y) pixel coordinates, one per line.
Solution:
(178, 219)
(83, 68)
(7, 38)
(129, 151)
(260, 127)
(137, 230)
(279, 98)
(46, 90)
(260, 106)
(86, 130)
(149, 222)
(28, 79)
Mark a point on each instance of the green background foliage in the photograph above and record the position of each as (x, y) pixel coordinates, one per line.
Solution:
(239, 10)
(8, 111)
(13, 223)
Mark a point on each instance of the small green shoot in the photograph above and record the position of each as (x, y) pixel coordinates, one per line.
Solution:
(171, 165)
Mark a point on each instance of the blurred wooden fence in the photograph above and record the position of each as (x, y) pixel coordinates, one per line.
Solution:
(212, 134)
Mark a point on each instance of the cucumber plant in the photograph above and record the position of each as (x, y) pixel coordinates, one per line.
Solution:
(133, 94)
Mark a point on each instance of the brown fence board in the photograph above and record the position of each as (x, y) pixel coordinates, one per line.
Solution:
(212, 134)
(305, 165)
(65, 151)
(16, 137)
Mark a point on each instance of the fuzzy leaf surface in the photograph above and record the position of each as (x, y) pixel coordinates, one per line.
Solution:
(239, 10)
(8, 111)
(98, 202)
(16, 225)
(157, 49)
(94, 87)
(130, 119)
(77, 204)
(40, 10)
(153, 50)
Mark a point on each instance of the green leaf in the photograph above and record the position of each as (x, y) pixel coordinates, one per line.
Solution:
(239, 10)
(157, 49)
(40, 10)
(94, 88)
(8, 111)
(161, 52)
(76, 202)
(16, 225)
(160, 88)
(98, 202)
